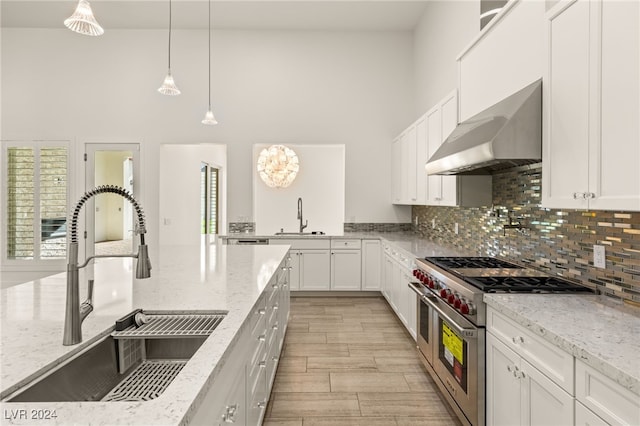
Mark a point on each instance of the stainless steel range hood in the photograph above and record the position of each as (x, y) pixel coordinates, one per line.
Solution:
(505, 135)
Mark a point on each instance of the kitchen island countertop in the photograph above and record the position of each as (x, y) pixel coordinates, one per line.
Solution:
(208, 277)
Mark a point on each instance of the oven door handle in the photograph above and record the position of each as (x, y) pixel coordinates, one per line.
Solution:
(469, 333)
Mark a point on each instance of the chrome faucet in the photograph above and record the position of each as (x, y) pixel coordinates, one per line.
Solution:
(300, 215)
(75, 312)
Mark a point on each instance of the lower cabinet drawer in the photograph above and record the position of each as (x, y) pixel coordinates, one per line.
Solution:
(555, 363)
(257, 395)
(606, 398)
(586, 417)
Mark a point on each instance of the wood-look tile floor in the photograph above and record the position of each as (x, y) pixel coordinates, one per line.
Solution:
(348, 361)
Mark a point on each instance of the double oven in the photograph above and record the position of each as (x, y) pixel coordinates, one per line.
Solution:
(452, 318)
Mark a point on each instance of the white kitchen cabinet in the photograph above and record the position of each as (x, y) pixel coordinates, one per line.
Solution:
(591, 142)
(346, 264)
(398, 273)
(310, 263)
(241, 390)
(441, 120)
(517, 393)
(396, 171)
(605, 398)
(586, 417)
(404, 167)
(371, 265)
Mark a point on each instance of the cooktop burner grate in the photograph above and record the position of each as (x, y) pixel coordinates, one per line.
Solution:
(525, 284)
(449, 263)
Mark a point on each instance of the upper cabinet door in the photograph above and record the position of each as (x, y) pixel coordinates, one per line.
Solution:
(396, 171)
(434, 139)
(566, 106)
(615, 156)
(449, 116)
(591, 146)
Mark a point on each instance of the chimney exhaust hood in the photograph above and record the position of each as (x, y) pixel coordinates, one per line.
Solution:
(507, 134)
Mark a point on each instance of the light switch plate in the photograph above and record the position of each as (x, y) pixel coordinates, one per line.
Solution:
(599, 258)
(455, 228)
(433, 224)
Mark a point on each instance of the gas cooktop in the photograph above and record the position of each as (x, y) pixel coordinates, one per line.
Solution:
(492, 275)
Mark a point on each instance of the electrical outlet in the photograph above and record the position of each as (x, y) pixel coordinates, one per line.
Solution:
(599, 258)
(433, 224)
(455, 228)
(415, 220)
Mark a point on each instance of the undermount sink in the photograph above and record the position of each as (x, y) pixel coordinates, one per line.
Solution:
(124, 366)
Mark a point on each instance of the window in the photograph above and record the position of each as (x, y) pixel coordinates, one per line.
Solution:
(208, 199)
(36, 200)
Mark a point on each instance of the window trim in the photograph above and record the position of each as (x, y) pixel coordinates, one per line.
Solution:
(36, 264)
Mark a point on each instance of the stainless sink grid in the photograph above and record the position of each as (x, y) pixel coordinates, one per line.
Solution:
(147, 381)
(172, 325)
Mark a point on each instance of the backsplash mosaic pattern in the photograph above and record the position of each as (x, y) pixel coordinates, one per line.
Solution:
(559, 242)
(236, 227)
(378, 227)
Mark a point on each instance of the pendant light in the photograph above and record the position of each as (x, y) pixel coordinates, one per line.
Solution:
(209, 119)
(168, 85)
(82, 21)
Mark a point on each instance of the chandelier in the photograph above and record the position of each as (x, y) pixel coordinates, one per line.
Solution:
(278, 166)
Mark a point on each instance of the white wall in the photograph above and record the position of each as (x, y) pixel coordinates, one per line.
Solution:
(351, 88)
(180, 190)
(319, 182)
(445, 29)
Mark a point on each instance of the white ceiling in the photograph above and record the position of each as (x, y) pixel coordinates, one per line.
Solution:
(363, 15)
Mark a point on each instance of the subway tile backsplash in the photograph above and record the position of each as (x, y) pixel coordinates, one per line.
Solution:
(559, 242)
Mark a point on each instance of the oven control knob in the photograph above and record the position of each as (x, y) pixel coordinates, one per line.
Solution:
(431, 282)
(457, 302)
(415, 273)
(467, 308)
(451, 298)
(444, 292)
(424, 279)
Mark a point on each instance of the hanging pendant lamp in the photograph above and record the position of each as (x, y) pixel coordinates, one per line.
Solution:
(209, 119)
(168, 85)
(82, 21)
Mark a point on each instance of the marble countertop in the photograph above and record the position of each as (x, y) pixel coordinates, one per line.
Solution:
(209, 277)
(409, 242)
(601, 332)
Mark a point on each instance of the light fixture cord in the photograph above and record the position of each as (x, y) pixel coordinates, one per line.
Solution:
(209, 55)
(169, 36)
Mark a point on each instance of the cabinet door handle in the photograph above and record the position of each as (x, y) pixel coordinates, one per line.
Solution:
(262, 404)
(262, 337)
(518, 339)
(590, 195)
(262, 311)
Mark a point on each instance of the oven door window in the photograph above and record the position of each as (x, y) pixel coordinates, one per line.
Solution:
(452, 352)
(425, 321)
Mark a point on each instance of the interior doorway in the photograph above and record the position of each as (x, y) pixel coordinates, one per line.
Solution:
(110, 225)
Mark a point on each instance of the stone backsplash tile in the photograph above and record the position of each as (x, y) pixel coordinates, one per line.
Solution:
(559, 242)
(378, 227)
(236, 227)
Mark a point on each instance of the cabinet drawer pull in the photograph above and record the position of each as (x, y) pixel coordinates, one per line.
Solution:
(262, 404)
(262, 364)
(262, 337)
(518, 339)
(261, 311)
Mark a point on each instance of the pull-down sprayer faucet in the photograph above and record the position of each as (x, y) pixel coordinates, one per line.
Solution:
(76, 313)
(300, 215)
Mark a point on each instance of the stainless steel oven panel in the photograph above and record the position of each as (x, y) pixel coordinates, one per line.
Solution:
(424, 327)
(471, 401)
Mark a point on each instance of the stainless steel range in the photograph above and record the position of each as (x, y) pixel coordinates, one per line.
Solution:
(452, 319)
